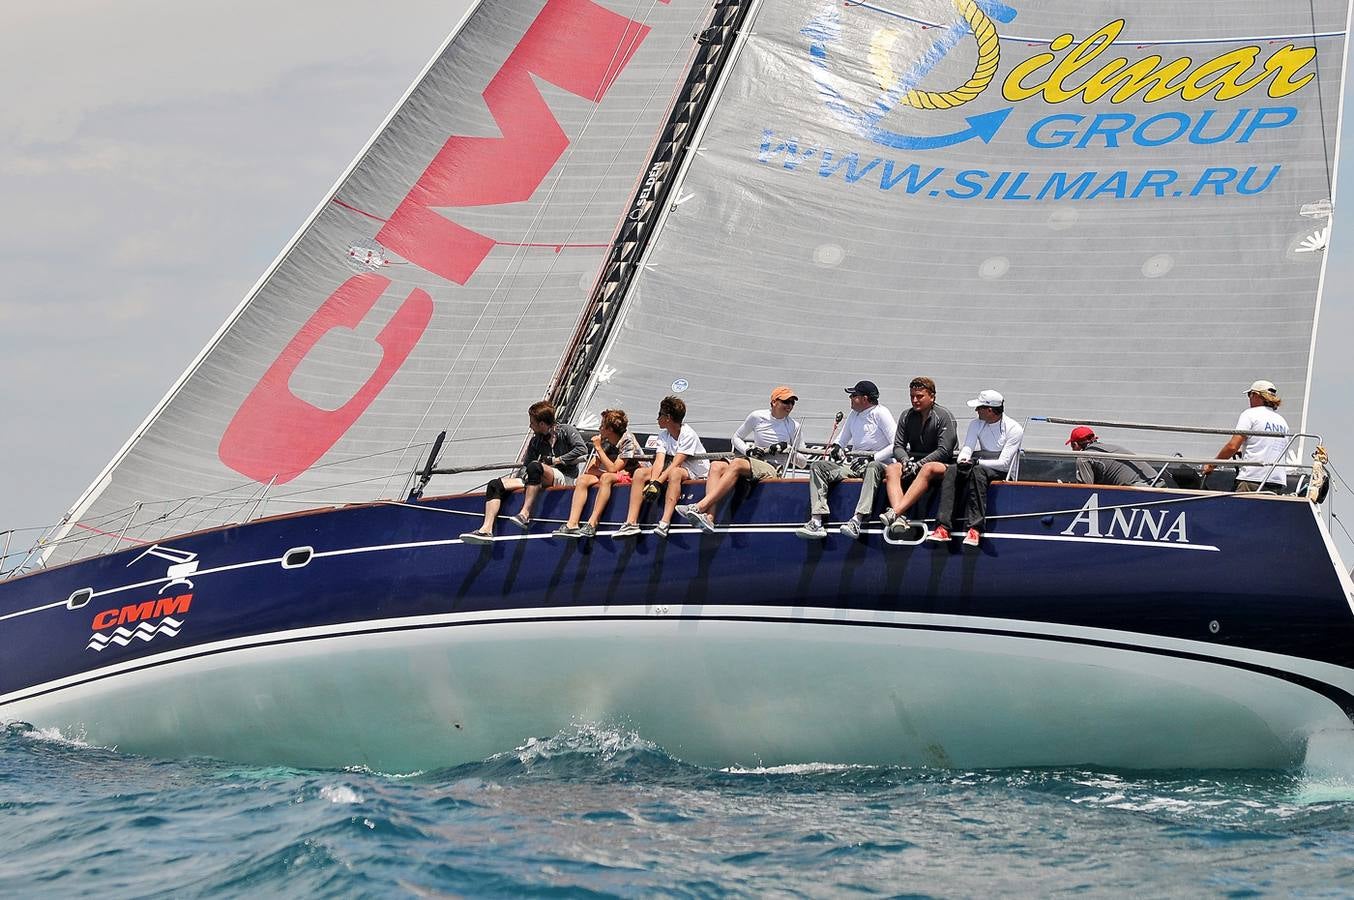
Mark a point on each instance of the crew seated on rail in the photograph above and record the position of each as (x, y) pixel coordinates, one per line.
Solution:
(766, 440)
(672, 464)
(615, 455)
(553, 456)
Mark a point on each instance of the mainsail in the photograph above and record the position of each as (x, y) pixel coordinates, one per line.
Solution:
(1114, 211)
(436, 287)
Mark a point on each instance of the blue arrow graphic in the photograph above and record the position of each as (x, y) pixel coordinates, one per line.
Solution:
(983, 126)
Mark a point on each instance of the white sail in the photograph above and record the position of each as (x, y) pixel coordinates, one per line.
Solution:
(1103, 210)
(436, 287)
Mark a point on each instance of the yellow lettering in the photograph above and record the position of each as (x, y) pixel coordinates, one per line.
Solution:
(1012, 89)
(1152, 77)
(1286, 62)
(1147, 74)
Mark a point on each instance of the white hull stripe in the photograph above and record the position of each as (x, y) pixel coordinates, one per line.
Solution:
(508, 538)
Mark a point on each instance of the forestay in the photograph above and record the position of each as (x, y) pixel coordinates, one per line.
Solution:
(436, 287)
(1097, 209)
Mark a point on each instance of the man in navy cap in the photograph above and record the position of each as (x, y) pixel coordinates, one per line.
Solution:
(869, 429)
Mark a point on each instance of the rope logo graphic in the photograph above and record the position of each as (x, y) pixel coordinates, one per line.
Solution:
(902, 90)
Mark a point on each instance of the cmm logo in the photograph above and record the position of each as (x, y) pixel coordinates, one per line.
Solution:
(575, 45)
(140, 614)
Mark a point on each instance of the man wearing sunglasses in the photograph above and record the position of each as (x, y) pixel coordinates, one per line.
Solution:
(869, 429)
(765, 442)
(990, 447)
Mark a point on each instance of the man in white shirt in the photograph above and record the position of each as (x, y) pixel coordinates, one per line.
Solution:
(1273, 446)
(869, 429)
(676, 444)
(765, 441)
(989, 450)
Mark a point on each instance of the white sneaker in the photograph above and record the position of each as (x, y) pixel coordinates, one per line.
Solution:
(811, 531)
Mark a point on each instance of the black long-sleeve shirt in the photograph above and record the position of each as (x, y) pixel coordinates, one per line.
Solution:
(562, 441)
(931, 439)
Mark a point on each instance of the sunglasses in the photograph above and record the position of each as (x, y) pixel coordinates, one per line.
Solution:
(791, 402)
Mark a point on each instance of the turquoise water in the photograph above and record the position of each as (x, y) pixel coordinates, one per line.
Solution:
(600, 812)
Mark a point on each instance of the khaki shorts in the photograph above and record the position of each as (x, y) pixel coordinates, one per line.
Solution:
(561, 480)
(761, 469)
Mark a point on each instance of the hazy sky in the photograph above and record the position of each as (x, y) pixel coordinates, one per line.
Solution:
(154, 158)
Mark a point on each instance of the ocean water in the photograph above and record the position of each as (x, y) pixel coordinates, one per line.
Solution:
(600, 812)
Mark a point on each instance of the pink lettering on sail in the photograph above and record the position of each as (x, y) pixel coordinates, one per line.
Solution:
(573, 44)
(276, 434)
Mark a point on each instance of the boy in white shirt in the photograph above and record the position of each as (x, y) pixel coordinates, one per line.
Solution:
(672, 464)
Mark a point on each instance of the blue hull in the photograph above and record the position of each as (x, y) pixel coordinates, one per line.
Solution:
(1246, 583)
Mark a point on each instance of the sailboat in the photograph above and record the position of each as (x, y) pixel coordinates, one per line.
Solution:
(1113, 216)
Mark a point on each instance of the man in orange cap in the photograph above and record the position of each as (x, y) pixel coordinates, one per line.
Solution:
(765, 442)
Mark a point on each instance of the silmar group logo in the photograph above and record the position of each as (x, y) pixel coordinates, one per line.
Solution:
(970, 74)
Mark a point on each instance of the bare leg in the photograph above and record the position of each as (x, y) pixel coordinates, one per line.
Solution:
(931, 472)
(604, 485)
(580, 498)
(534, 490)
(720, 484)
(492, 506)
(674, 477)
(637, 494)
(893, 484)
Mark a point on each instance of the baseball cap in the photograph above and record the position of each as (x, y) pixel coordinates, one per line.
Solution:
(1080, 433)
(1262, 387)
(987, 398)
(864, 387)
(782, 393)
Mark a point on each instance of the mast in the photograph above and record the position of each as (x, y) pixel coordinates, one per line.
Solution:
(717, 42)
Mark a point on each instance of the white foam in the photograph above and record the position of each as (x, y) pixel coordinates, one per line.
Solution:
(339, 793)
(795, 769)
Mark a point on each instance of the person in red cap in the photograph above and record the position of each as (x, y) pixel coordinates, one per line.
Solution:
(1114, 468)
(765, 442)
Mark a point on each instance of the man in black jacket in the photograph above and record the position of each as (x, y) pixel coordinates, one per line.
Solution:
(924, 442)
(553, 455)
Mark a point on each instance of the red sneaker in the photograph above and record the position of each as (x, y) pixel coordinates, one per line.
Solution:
(940, 534)
(971, 539)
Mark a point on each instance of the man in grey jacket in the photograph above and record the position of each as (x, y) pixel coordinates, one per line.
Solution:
(924, 442)
(1113, 469)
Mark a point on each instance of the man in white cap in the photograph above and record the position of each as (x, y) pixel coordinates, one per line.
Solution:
(1262, 415)
(989, 449)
